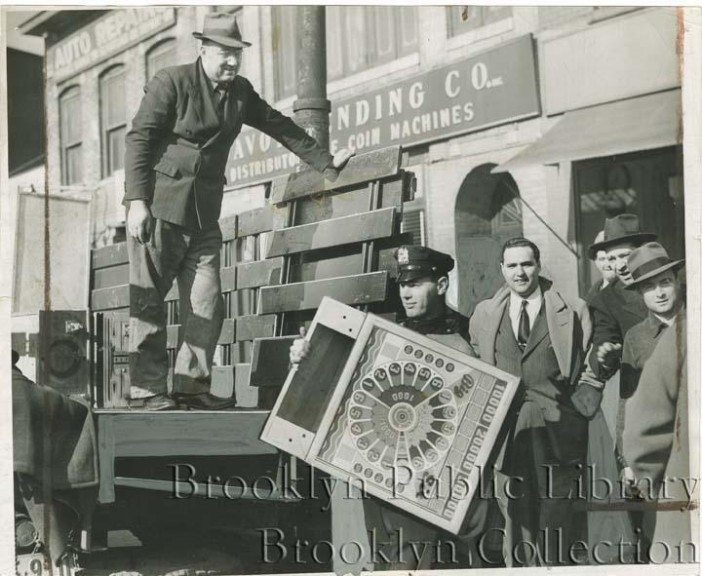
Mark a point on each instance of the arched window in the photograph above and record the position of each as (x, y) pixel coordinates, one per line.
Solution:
(113, 118)
(160, 56)
(71, 136)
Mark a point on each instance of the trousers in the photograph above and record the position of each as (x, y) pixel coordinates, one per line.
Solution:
(193, 259)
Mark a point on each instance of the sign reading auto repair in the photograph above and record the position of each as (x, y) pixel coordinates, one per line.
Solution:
(492, 88)
(105, 37)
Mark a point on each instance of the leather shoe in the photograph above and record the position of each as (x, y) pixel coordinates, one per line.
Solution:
(206, 401)
(157, 402)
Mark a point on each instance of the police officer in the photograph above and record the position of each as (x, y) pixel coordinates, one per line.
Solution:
(423, 283)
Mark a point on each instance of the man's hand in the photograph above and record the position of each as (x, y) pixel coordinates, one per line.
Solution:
(631, 489)
(342, 157)
(139, 221)
(299, 349)
(586, 399)
(609, 355)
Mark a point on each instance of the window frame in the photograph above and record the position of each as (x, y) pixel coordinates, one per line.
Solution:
(169, 42)
(403, 52)
(490, 30)
(106, 130)
(66, 145)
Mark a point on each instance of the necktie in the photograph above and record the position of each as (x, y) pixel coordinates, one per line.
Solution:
(523, 330)
(221, 93)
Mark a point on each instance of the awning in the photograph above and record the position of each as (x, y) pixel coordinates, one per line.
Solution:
(629, 125)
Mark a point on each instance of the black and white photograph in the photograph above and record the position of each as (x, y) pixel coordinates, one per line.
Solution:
(345, 289)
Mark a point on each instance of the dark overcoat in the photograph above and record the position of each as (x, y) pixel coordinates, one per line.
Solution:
(177, 148)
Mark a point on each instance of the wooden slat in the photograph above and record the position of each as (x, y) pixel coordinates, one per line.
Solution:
(228, 226)
(228, 333)
(262, 219)
(109, 298)
(246, 395)
(270, 361)
(335, 232)
(112, 276)
(361, 289)
(259, 273)
(254, 326)
(255, 221)
(222, 381)
(396, 191)
(228, 278)
(180, 433)
(226, 336)
(110, 256)
(362, 168)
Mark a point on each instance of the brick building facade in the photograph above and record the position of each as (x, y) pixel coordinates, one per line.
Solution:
(516, 120)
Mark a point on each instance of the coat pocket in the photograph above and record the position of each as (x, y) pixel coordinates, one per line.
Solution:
(165, 166)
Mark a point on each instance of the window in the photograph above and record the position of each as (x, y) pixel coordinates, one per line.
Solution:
(160, 56)
(285, 49)
(70, 136)
(113, 119)
(358, 38)
(462, 19)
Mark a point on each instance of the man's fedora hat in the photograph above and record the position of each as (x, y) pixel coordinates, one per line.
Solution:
(222, 29)
(648, 261)
(622, 228)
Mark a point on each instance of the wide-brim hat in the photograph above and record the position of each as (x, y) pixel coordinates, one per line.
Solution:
(622, 228)
(223, 29)
(649, 260)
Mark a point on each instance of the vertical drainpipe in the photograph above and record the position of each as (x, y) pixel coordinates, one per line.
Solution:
(312, 107)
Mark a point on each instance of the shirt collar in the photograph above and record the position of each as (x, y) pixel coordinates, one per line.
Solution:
(533, 298)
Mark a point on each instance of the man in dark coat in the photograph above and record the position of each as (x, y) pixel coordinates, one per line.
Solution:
(528, 329)
(653, 277)
(175, 159)
(657, 447)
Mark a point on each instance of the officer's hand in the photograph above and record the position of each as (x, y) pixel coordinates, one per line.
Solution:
(299, 349)
(631, 489)
(586, 399)
(139, 221)
(609, 355)
(342, 157)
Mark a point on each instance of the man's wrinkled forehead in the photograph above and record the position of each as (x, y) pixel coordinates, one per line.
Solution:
(619, 249)
(214, 48)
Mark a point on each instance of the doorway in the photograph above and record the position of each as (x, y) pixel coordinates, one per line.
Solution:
(488, 213)
(648, 184)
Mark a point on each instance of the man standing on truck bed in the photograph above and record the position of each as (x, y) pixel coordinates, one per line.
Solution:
(176, 153)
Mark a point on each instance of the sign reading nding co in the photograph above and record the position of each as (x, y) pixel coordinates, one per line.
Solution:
(492, 88)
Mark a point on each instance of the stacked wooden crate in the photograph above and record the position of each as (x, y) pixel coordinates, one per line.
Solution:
(313, 239)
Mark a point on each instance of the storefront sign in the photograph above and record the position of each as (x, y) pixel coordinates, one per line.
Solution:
(492, 88)
(113, 33)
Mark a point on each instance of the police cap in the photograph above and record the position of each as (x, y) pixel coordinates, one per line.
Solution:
(417, 261)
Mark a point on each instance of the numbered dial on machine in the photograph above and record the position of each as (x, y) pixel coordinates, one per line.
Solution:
(402, 411)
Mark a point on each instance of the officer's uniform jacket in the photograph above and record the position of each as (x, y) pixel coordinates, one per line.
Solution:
(450, 329)
(177, 148)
